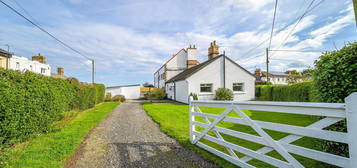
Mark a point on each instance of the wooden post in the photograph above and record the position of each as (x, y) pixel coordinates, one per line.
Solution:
(267, 62)
(92, 71)
(192, 118)
(351, 117)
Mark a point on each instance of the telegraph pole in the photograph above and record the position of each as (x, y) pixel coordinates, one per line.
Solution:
(355, 9)
(267, 62)
(92, 71)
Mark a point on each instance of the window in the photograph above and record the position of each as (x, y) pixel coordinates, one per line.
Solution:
(17, 65)
(238, 87)
(207, 87)
(43, 70)
(31, 67)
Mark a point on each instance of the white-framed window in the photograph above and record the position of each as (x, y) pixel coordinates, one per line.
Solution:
(206, 87)
(43, 70)
(17, 65)
(238, 87)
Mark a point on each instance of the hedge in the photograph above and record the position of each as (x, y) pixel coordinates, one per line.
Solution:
(298, 92)
(30, 103)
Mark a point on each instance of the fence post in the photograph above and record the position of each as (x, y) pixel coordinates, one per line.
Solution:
(351, 117)
(192, 118)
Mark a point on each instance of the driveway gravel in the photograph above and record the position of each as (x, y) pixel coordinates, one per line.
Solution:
(129, 138)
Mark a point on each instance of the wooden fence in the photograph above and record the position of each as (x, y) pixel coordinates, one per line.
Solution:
(329, 112)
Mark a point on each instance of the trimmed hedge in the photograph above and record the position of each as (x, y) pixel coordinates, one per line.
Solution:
(298, 92)
(30, 103)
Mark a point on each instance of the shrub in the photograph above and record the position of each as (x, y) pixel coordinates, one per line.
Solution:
(100, 93)
(119, 98)
(223, 94)
(108, 97)
(297, 92)
(156, 93)
(30, 103)
(334, 79)
(194, 96)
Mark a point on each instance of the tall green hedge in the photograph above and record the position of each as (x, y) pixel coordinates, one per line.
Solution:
(30, 103)
(297, 92)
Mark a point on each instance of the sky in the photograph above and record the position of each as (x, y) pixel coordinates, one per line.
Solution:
(130, 40)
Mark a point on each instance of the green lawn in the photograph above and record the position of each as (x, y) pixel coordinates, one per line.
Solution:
(174, 121)
(52, 149)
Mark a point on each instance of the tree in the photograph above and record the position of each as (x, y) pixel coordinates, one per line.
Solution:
(294, 76)
(306, 74)
(147, 84)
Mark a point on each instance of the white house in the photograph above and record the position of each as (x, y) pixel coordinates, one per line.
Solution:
(37, 64)
(182, 60)
(129, 91)
(219, 71)
(276, 78)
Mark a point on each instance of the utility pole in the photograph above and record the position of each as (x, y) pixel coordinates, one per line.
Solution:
(355, 9)
(93, 71)
(267, 62)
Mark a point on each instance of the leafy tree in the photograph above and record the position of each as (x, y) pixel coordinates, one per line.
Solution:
(294, 76)
(335, 77)
(147, 84)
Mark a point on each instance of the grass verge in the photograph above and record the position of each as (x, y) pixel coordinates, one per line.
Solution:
(174, 121)
(52, 149)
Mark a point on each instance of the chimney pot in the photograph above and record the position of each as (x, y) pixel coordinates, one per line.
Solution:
(213, 50)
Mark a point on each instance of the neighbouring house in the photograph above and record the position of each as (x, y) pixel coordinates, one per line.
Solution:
(37, 65)
(276, 78)
(182, 60)
(4, 59)
(219, 71)
(59, 74)
(129, 91)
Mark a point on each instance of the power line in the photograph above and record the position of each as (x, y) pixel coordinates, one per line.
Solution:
(286, 26)
(23, 9)
(299, 50)
(272, 26)
(45, 31)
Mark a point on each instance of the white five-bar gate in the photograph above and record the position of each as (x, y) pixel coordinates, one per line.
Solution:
(331, 113)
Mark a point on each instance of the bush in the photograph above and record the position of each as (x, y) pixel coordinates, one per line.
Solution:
(100, 93)
(108, 97)
(30, 103)
(194, 96)
(223, 94)
(297, 92)
(334, 79)
(119, 98)
(157, 94)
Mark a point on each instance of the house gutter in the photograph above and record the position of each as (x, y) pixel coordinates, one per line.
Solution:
(224, 70)
(175, 91)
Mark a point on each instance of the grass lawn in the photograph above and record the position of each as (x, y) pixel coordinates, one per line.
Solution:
(52, 149)
(174, 121)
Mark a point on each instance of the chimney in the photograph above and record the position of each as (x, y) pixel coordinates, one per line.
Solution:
(213, 50)
(40, 58)
(257, 72)
(60, 71)
(192, 56)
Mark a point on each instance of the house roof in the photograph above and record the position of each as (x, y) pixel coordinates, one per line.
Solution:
(4, 53)
(188, 72)
(112, 87)
(280, 74)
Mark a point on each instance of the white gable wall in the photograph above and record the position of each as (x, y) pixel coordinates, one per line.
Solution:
(182, 91)
(235, 74)
(212, 73)
(24, 64)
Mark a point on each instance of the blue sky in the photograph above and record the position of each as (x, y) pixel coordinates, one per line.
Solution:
(129, 40)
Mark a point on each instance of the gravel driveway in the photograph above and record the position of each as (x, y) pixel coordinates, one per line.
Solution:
(129, 138)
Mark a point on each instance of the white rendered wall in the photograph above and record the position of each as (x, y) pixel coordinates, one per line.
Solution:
(28, 65)
(235, 74)
(274, 80)
(169, 89)
(191, 54)
(130, 92)
(182, 91)
(209, 74)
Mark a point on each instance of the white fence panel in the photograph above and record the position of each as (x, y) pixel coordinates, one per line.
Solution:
(332, 113)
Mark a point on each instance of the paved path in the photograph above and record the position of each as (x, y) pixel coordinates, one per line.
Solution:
(129, 138)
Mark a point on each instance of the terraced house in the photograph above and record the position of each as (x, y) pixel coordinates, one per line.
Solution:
(219, 71)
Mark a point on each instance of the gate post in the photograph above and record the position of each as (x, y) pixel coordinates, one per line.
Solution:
(192, 118)
(351, 117)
